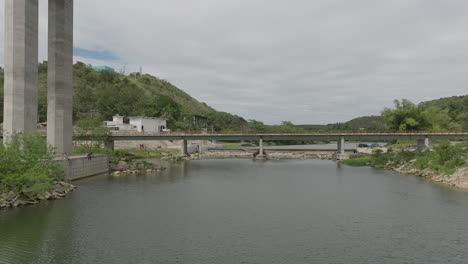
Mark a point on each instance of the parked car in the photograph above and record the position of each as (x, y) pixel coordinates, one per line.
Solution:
(375, 145)
(363, 145)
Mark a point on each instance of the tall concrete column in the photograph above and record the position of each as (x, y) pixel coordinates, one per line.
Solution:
(21, 56)
(423, 144)
(60, 76)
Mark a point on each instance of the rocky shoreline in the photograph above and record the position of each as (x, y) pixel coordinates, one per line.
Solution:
(124, 167)
(458, 180)
(238, 154)
(13, 200)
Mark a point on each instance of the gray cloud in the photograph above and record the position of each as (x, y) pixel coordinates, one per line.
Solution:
(306, 61)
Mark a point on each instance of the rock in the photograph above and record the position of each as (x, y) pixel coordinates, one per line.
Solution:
(48, 196)
(122, 166)
(10, 196)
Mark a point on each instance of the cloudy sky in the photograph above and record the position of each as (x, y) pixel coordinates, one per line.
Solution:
(306, 61)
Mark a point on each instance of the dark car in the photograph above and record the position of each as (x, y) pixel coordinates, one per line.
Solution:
(363, 145)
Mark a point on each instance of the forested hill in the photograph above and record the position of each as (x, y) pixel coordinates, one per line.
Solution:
(364, 122)
(450, 113)
(106, 93)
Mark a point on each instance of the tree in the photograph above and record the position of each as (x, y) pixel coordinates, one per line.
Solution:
(257, 126)
(93, 129)
(405, 116)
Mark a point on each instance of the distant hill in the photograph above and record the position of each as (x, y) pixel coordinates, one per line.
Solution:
(360, 123)
(457, 107)
(106, 93)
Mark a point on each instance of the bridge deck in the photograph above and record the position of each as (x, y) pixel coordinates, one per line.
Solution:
(371, 136)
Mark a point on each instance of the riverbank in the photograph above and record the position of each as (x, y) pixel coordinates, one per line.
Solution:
(445, 163)
(12, 200)
(458, 179)
(239, 154)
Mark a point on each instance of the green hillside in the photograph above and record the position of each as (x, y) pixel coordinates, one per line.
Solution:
(360, 123)
(106, 93)
(450, 113)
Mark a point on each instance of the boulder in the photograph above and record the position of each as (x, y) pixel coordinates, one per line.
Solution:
(122, 166)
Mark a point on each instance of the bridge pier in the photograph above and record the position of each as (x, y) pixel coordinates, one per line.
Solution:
(109, 145)
(261, 153)
(60, 76)
(340, 153)
(422, 144)
(184, 148)
(21, 56)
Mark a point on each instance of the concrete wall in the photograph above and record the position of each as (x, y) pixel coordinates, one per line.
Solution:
(77, 167)
(149, 144)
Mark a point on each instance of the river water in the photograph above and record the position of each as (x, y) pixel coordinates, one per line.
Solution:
(244, 211)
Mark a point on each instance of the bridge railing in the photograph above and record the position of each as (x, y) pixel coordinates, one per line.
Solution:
(348, 132)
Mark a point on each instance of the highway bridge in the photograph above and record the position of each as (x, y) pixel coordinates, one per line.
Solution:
(422, 137)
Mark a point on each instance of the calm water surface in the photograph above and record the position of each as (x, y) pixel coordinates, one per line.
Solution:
(243, 211)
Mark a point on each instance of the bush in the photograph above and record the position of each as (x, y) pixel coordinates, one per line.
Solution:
(27, 166)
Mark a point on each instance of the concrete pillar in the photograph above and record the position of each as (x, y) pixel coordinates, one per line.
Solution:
(260, 145)
(21, 56)
(341, 146)
(423, 144)
(261, 152)
(340, 153)
(109, 145)
(185, 148)
(60, 76)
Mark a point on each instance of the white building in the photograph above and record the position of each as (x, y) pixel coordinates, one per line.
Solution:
(137, 123)
(148, 124)
(117, 124)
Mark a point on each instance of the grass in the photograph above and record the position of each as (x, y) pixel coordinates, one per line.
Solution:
(230, 144)
(128, 154)
(360, 161)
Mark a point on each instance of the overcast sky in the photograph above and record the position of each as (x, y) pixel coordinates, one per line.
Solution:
(307, 61)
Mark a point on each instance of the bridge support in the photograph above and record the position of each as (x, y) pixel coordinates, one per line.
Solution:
(109, 145)
(422, 144)
(261, 153)
(184, 148)
(21, 56)
(60, 76)
(340, 153)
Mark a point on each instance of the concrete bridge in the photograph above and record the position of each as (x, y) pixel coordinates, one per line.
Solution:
(422, 138)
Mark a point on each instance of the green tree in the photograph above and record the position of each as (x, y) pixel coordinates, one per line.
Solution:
(27, 166)
(257, 126)
(92, 129)
(405, 116)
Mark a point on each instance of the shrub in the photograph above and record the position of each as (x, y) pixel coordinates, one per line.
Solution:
(27, 166)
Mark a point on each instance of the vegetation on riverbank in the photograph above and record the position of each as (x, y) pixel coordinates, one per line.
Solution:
(27, 166)
(444, 159)
(28, 172)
